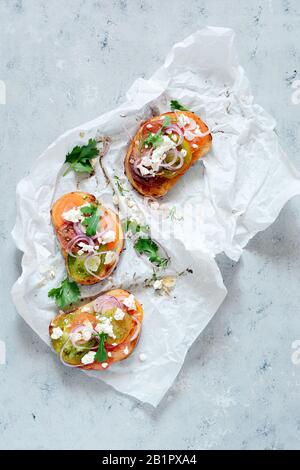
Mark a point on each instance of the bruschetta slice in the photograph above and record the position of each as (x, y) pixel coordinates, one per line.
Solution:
(99, 333)
(90, 236)
(163, 149)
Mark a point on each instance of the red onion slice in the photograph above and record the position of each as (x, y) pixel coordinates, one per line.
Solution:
(192, 125)
(104, 299)
(79, 329)
(77, 229)
(191, 135)
(98, 235)
(175, 128)
(171, 166)
(75, 240)
(137, 171)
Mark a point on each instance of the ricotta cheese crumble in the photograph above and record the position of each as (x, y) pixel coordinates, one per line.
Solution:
(129, 302)
(56, 333)
(88, 358)
(150, 164)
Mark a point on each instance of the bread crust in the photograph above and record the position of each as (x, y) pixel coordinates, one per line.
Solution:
(158, 186)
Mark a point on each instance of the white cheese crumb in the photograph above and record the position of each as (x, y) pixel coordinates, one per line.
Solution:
(126, 350)
(183, 152)
(119, 314)
(183, 120)
(104, 365)
(88, 324)
(76, 337)
(109, 257)
(105, 326)
(142, 357)
(107, 237)
(88, 358)
(144, 171)
(73, 215)
(153, 162)
(195, 146)
(56, 333)
(149, 126)
(129, 302)
(158, 284)
(86, 334)
(85, 247)
(109, 354)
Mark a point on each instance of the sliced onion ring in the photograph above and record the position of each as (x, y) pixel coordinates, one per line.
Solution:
(77, 229)
(171, 166)
(62, 359)
(77, 330)
(75, 240)
(175, 128)
(104, 299)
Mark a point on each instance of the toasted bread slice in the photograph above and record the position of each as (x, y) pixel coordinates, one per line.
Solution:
(65, 232)
(118, 348)
(158, 185)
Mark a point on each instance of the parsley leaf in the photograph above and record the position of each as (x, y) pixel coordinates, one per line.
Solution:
(101, 354)
(91, 220)
(174, 104)
(79, 158)
(66, 294)
(134, 227)
(156, 139)
(153, 140)
(148, 247)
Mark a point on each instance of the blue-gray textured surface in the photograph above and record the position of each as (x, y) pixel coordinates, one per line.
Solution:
(66, 61)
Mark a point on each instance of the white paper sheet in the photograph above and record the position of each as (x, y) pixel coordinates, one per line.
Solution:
(218, 206)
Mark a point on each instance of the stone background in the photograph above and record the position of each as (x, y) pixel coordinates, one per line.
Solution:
(65, 62)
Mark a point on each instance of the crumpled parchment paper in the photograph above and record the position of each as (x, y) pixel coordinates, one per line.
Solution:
(218, 206)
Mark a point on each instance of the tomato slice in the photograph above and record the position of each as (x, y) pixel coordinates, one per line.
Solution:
(67, 202)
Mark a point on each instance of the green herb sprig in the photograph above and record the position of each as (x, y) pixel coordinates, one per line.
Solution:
(66, 294)
(101, 354)
(155, 139)
(79, 159)
(148, 247)
(174, 105)
(91, 220)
